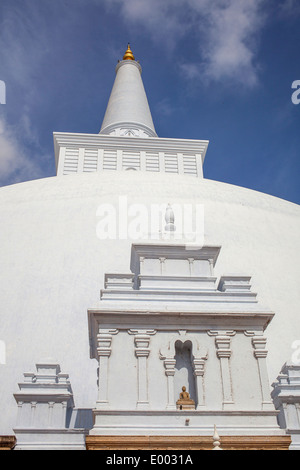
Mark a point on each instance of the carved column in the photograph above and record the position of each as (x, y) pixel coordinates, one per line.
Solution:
(50, 413)
(198, 365)
(142, 351)
(19, 414)
(297, 405)
(33, 412)
(169, 364)
(64, 407)
(142, 259)
(104, 339)
(224, 354)
(211, 266)
(260, 353)
(162, 265)
(191, 266)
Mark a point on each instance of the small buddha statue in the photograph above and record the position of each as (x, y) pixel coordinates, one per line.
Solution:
(185, 402)
(184, 395)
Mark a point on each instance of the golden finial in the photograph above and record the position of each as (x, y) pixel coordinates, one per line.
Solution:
(128, 54)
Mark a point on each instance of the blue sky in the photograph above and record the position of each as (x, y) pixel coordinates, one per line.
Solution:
(218, 70)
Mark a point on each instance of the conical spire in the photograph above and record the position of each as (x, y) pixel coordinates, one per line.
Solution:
(128, 111)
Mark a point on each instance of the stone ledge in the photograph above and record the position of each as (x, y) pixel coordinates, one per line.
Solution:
(186, 442)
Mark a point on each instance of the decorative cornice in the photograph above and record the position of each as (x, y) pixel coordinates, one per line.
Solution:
(174, 319)
(151, 144)
(171, 251)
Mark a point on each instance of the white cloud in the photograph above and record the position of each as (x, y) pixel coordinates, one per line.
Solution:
(8, 151)
(160, 19)
(15, 163)
(23, 46)
(230, 49)
(226, 33)
(22, 33)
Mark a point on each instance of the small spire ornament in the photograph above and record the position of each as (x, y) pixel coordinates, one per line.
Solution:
(169, 218)
(216, 440)
(128, 54)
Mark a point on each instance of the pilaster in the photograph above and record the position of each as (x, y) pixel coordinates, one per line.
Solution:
(142, 351)
(199, 368)
(223, 351)
(104, 340)
(169, 364)
(260, 353)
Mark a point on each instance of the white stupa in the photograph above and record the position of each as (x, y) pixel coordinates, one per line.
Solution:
(159, 278)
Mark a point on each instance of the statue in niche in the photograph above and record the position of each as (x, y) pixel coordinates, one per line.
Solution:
(184, 395)
(185, 402)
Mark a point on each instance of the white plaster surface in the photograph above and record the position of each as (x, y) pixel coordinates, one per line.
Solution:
(128, 104)
(53, 266)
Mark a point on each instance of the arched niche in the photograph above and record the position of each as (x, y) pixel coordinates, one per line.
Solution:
(184, 370)
(184, 360)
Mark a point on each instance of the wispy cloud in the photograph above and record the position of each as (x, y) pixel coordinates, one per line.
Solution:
(23, 43)
(23, 47)
(231, 45)
(225, 33)
(289, 8)
(160, 19)
(16, 164)
(165, 108)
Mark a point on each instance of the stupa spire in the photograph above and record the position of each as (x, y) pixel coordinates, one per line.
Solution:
(128, 54)
(128, 111)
